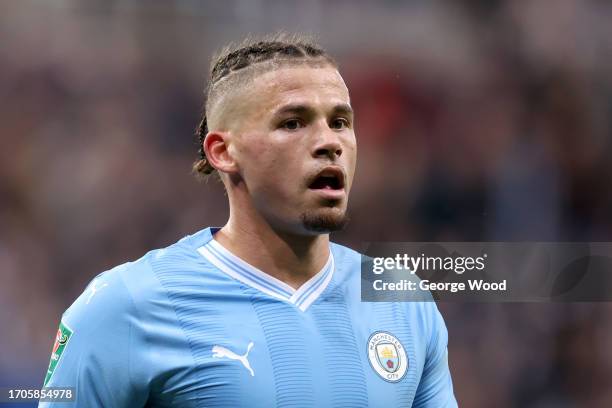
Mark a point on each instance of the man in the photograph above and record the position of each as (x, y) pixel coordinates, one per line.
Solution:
(265, 311)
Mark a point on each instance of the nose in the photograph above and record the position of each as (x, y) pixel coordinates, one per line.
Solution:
(328, 145)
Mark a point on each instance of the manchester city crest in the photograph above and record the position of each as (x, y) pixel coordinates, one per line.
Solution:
(387, 356)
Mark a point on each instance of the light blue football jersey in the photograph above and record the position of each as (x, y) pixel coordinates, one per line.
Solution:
(192, 325)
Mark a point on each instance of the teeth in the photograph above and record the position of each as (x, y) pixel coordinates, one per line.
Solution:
(329, 179)
(326, 182)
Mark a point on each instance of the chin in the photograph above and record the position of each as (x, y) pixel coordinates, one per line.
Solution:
(324, 220)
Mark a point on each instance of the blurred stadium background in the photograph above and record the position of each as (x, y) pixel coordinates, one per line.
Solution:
(476, 120)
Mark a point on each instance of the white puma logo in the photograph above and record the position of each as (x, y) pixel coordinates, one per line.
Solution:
(93, 290)
(220, 352)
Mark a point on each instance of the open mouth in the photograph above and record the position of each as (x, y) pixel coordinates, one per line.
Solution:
(331, 178)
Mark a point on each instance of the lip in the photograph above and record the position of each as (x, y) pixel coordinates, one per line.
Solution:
(330, 193)
(329, 171)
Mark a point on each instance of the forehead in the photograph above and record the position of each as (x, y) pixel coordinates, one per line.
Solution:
(299, 84)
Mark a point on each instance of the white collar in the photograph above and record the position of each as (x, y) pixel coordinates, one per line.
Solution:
(246, 273)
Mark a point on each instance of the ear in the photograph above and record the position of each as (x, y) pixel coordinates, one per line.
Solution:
(217, 153)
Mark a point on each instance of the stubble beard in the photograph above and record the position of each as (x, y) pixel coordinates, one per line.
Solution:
(324, 221)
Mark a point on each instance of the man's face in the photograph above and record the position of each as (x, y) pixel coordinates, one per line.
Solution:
(295, 147)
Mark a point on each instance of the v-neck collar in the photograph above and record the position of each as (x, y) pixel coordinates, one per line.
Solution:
(246, 273)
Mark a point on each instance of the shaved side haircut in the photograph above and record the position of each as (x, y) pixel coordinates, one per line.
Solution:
(237, 64)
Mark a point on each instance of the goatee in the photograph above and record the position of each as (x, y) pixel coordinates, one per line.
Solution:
(324, 222)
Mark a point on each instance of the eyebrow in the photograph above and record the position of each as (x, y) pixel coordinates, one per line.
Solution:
(299, 109)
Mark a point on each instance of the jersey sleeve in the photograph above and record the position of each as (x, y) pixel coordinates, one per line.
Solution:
(435, 389)
(94, 347)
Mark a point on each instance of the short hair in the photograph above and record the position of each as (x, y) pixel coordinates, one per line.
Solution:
(267, 53)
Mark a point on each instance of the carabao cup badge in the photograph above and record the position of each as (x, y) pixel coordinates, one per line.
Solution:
(387, 356)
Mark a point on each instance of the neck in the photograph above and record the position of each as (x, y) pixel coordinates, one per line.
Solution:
(291, 258)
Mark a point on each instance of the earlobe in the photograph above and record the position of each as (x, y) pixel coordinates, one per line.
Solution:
(216, 147)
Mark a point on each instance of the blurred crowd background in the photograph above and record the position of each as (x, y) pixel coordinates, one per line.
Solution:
(476, 121)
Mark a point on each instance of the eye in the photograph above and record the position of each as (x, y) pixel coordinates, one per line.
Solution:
(339, 123)
(292, 124)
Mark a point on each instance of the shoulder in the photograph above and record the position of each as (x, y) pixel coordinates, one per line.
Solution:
(123, 291)
(419, 306)
(344, 255)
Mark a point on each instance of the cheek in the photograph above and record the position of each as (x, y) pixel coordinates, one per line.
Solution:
(351, 160)
(271, 167)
